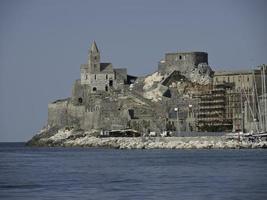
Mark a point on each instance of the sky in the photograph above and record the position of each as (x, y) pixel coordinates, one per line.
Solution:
(43, 43)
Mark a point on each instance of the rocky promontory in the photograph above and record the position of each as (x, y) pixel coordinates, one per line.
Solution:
(76, 138)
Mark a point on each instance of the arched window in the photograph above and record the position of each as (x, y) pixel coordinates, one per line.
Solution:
(94, 89)
(95, 76)
(106, 77)
(80, 100)
(106, 88)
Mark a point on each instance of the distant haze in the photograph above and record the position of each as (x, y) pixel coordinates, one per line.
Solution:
(43, 43)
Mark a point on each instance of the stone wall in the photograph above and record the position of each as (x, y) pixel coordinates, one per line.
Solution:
(180, 61)
(102, 82)
(57, 113)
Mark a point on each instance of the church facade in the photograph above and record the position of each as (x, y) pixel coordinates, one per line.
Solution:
(101, 76)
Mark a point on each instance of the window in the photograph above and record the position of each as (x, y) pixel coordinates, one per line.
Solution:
(94, 89)
(248, 78)
(80, 100)
(95, 76)
(106, 77)
(180, 57)
(86, 76)
(106, 88)
(111, 83)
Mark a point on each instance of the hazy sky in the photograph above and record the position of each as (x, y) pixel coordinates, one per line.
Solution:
(43, 43)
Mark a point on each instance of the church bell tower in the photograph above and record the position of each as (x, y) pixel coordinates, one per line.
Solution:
(94, 58)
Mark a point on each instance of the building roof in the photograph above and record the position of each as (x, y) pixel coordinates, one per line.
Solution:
(237, 72)
(106, 67)
(191, 52)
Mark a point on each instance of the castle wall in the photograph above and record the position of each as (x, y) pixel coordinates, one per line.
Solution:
(91, 120)
(57, 114)
(75, 114)
(181, 61)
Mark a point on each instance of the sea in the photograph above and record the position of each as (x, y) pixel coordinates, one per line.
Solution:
(96, 173)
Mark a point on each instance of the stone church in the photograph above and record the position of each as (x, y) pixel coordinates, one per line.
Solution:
(101, 76)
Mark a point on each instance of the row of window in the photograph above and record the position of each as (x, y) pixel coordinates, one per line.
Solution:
(232, 78)
(86, 77)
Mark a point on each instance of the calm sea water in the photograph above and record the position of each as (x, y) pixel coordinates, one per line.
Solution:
(85, 173)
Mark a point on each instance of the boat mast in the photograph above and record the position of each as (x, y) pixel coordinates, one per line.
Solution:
(264, 96)
(257, 102)
(248, 103)
(242, 113)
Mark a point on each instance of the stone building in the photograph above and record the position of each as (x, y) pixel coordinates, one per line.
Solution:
(242, 98)
(101, 76)
(192, 65)
(180, 96)
(243, 80)
(180, 61)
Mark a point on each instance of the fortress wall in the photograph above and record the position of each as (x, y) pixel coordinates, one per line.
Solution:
(193, 58)
(91, 120)
(57, 114)
(76, 112)
(181, 61)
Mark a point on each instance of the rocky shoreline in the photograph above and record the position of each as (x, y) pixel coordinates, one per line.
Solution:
(76, 139)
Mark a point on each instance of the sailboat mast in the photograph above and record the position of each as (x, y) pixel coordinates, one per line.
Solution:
(242, 113)
(264, 96)
(257, 101)
(262, 101)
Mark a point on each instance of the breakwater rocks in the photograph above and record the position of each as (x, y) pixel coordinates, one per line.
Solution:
(66, 139)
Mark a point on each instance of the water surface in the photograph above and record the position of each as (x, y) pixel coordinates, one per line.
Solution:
(86, 173)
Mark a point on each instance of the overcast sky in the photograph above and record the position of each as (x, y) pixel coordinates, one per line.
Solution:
(43, 43)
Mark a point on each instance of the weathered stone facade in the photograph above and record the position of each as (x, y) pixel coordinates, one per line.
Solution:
(101, 76)
(193, 65)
